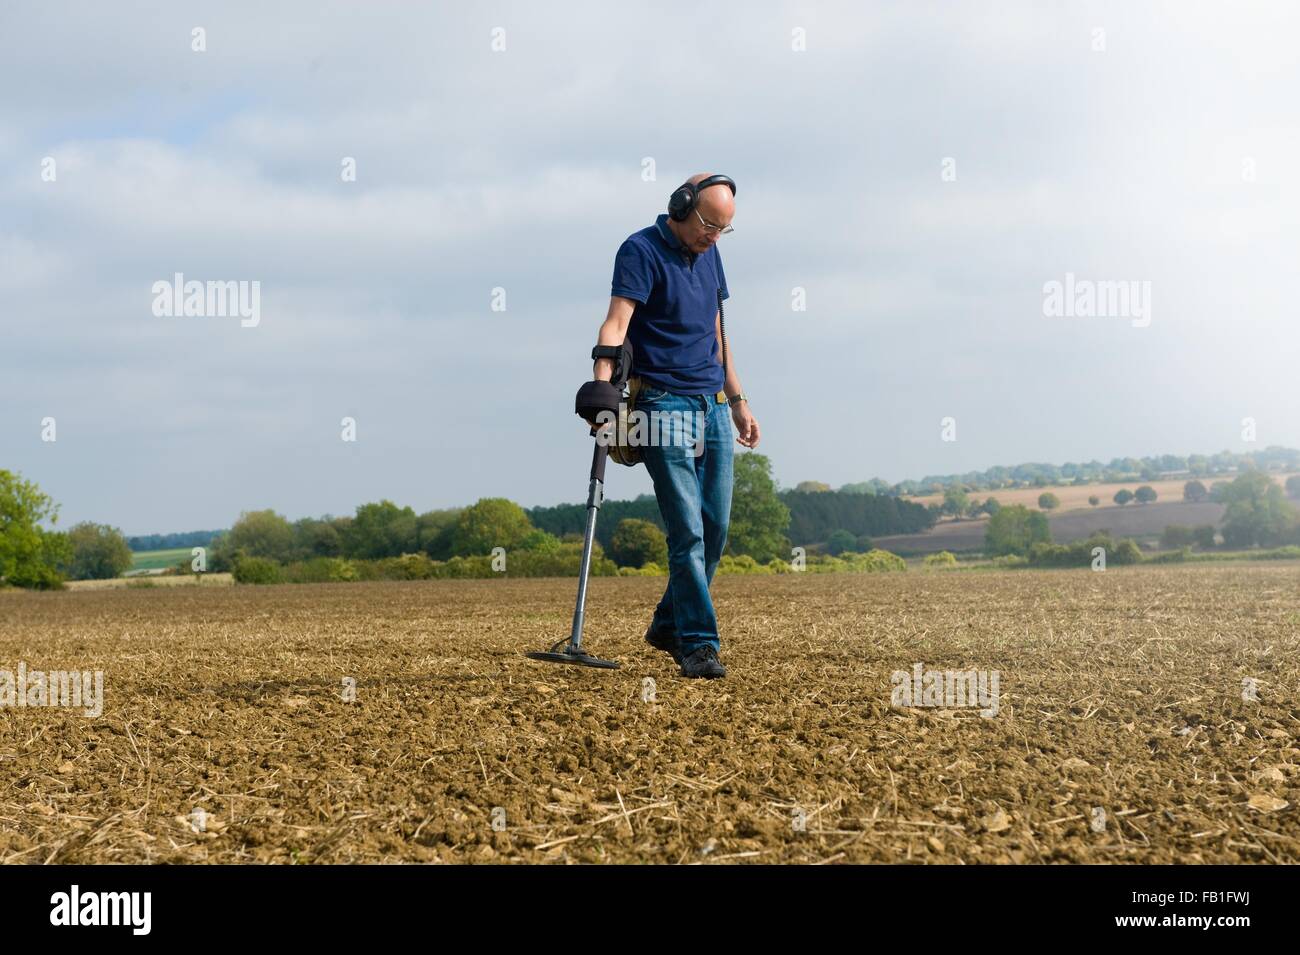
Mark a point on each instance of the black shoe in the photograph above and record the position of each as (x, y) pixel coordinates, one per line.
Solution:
(667, 642)
(703, 662)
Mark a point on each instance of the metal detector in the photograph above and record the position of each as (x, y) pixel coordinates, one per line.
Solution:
(570, 650)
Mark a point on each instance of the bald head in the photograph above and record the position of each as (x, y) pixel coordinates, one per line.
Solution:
(715, 206)
(716, 199)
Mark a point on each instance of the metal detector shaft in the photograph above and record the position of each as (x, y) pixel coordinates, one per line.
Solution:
(595, 497)
(593, 398)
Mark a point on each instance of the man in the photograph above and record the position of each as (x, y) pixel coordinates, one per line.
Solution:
(666, 295)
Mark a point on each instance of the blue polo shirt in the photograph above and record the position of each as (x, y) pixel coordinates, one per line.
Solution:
(673, 329)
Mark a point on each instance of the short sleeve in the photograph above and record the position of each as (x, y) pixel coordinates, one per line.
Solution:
(634, 273)
(722, 276)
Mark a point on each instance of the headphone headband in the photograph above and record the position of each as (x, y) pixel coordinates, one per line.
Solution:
(687, 195)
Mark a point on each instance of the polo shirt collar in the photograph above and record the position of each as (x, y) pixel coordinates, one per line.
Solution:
(673, 243)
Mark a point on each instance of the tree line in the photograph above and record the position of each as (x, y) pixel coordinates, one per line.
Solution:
(33, 553)
(766, 523)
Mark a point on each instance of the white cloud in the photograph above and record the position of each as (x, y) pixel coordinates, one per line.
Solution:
(522, 170)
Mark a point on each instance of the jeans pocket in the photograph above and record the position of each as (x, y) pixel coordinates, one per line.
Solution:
(650, 393)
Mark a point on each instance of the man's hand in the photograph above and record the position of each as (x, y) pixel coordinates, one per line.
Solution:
(746, 424)
(596, 398)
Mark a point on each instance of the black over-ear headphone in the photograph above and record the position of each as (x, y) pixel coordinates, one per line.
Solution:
(685, 196)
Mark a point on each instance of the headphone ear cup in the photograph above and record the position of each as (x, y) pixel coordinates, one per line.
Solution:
(681, 202)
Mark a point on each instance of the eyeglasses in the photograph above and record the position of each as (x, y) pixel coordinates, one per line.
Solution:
(712, 229)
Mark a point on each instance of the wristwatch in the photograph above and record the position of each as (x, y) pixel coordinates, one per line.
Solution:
(735, 398)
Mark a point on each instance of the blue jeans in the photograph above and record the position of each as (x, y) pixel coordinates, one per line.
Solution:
(693, 488)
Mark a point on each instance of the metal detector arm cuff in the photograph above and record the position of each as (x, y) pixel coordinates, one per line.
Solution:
(621, 356)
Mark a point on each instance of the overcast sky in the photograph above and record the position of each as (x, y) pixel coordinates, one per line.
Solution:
(1152, 143)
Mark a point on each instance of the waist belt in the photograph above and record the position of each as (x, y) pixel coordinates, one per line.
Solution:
(631, 454)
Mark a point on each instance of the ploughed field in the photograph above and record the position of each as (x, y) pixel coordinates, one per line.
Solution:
(1143, 714)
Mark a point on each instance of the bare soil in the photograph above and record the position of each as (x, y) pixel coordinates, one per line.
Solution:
(1121, 690)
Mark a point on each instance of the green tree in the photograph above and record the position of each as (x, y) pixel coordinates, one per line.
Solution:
(812, 486)
(256, 570)
(30, 555)
(542, 542)
(874, 486)
(382, 530)
(759, 520)
(1257, 513)
(258, 534)
(490, 522)
(1094, 500)
(1195, 492)
(955, 501)
(1014, 529)
(637, 543)
(1293, 486)
(317, 538)
(436, 531)
(1176, 537)
(1048, 501)
(839, 542)
(99, 552)
(1203, 535)
(1145, 494)
(1123, 496)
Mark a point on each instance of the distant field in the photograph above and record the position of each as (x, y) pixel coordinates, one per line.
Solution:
(1131, 520)
(155, 559)
(1077, 496)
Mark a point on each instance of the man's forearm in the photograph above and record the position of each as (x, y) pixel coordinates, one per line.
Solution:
(610, 334)
(613, 331)
(732, 385)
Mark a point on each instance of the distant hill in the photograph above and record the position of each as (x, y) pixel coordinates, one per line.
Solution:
(1225, 463)
(1132, 520)
(1076, 495)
